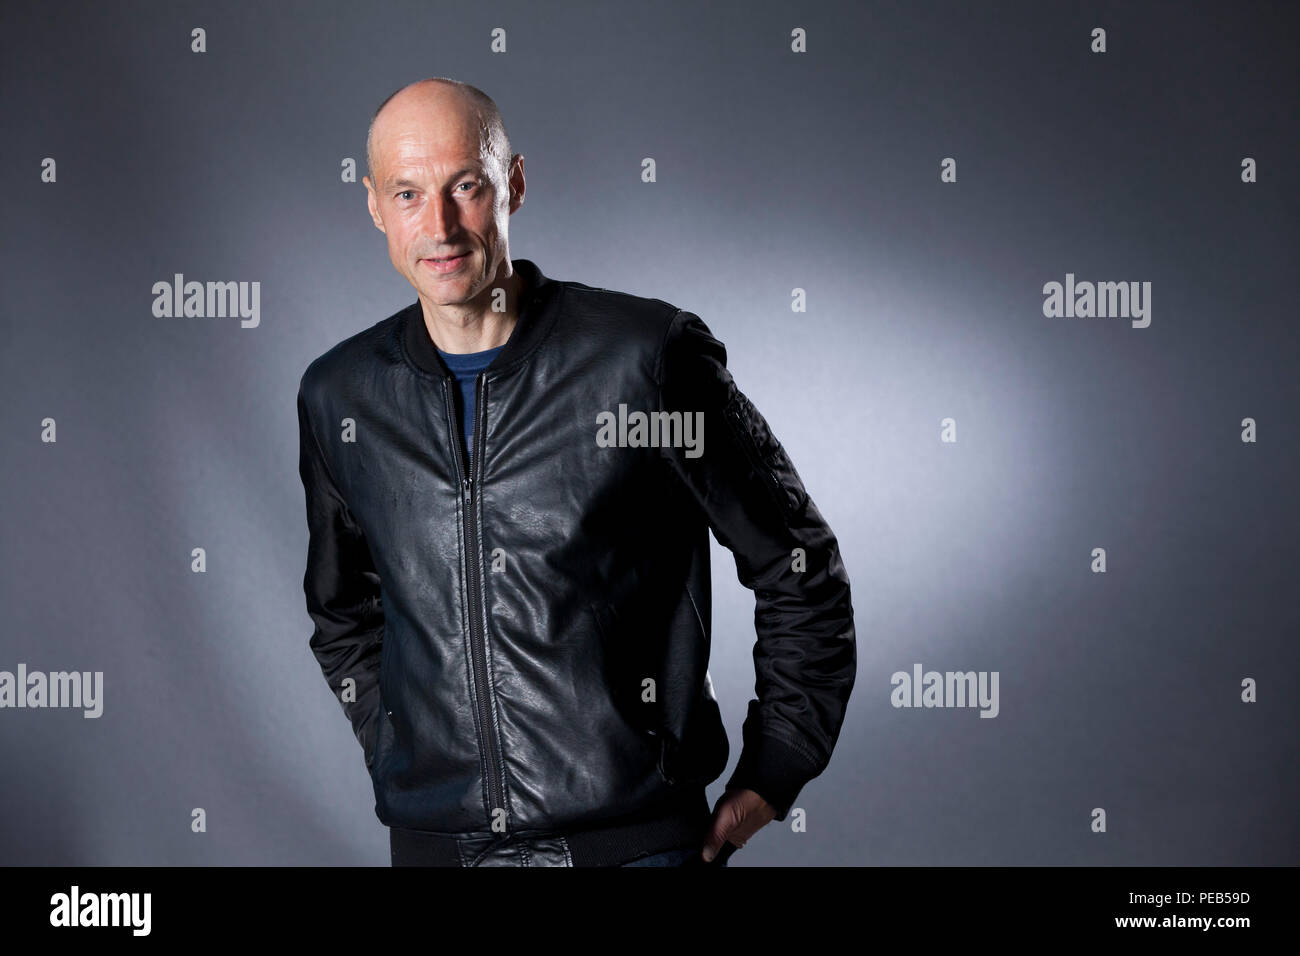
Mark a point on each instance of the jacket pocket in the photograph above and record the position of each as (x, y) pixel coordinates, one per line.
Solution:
(664, 759)
(384, 732)
(702, 755)
(625, 670)
(766, 455)
(383, 740)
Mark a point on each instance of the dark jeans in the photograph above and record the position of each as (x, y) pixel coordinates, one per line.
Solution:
(686, 856)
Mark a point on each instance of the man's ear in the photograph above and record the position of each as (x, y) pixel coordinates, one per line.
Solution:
(516, 181)
(373, 205)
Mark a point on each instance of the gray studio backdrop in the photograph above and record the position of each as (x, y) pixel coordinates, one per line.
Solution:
(922, 171)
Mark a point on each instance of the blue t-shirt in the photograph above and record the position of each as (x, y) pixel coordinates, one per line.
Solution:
(465, 366)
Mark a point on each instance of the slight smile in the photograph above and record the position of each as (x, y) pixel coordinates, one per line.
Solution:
(446, 265)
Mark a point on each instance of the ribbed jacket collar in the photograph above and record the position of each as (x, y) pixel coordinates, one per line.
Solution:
(538, 306)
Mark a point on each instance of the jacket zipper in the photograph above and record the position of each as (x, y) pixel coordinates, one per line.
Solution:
(478, 639)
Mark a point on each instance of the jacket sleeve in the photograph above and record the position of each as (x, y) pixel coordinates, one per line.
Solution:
(342, 590)
(805, 656)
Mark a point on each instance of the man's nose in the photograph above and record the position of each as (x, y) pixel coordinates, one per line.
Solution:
(439, 217)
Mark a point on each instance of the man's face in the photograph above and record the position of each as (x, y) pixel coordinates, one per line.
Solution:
(438, 193)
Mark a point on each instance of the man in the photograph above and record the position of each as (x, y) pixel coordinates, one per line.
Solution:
(509, 487)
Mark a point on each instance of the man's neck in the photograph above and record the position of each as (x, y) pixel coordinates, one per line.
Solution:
(468, 330)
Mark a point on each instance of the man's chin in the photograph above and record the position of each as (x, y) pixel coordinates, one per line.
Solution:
(446, 292)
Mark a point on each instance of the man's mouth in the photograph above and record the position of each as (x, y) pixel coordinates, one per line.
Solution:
(446, 263)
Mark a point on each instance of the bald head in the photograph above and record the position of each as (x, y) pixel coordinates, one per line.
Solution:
(441, 96)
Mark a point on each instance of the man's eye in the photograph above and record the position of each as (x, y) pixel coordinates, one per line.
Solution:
(404, 192)
(469, 184)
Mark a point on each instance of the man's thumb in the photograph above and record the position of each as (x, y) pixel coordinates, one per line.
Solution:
(713, 842)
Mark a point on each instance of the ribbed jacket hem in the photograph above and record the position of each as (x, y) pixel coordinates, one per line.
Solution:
(606, 845)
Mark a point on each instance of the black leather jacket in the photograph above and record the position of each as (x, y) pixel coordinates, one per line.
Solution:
(522, 648)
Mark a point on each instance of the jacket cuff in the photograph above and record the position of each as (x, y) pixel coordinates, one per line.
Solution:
(774, 770)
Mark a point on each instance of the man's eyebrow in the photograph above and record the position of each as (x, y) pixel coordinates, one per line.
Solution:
(411, 184)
